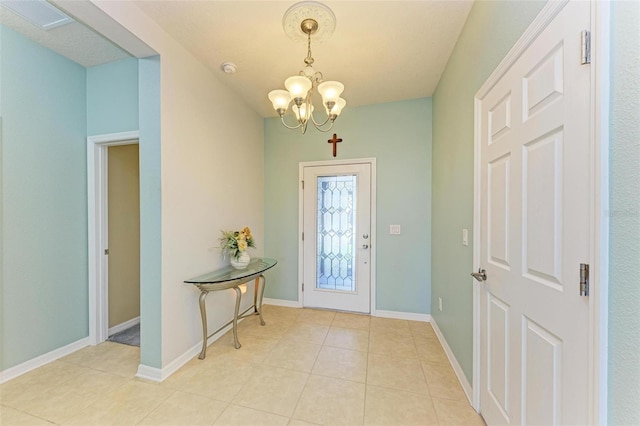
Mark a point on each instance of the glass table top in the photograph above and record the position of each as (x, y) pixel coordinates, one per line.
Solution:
(229, 273)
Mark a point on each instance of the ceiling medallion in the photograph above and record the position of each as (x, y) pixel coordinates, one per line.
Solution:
(301, 22)
(320, 13)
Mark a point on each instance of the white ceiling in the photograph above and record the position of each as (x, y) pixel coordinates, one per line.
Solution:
(382, 51)
(74, 41)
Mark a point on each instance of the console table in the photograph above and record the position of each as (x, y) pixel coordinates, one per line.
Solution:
(226, 278)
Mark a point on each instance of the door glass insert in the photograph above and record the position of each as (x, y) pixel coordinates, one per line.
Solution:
(335, 236)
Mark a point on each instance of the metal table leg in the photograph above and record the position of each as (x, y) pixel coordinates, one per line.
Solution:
(255, 294)
(235, 317)
(259, 299)
(203, 314)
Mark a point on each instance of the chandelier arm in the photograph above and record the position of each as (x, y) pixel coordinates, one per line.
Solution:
(287, 126)
(315, 123)
(323, 130)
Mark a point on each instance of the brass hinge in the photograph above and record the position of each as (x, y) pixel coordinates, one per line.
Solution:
(302, 184)
(585, 44)
(106, 251)
(584, 279)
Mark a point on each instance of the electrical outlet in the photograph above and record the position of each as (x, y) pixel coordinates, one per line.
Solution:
(440, 303)
(465, 237)
(394, 229)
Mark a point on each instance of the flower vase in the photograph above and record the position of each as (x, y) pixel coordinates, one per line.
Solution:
(242, 261)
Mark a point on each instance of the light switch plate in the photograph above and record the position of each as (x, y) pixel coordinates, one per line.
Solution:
(465, 237)
(394, 229)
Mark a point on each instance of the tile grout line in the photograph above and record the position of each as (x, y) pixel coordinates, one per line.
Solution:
(154, 409)
(295, 407)
(424, 373)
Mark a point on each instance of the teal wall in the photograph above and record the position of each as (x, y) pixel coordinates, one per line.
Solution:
(489, 33)
(624, 290)
(44, 200)
(49, 105)
(150, 212)
(398, 135)
(112, 97)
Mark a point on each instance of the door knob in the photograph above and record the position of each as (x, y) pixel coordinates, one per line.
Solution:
(365, 246)
(481, 275)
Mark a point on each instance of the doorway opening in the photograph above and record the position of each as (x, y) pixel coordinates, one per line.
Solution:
(123, 238)
(99, 234)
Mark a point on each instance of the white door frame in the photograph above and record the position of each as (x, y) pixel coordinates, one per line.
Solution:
(97, 228)
(373, 244)
(599, 142)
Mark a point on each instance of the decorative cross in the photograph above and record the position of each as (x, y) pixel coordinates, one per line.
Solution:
(334, 141)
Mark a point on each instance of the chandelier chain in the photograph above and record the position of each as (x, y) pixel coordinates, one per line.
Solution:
(309, 59)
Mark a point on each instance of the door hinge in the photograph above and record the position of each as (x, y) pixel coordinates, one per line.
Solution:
(585, 36)
(584, 279)
(302, 286)
(106, 251)
(303, 236)
(302, 184)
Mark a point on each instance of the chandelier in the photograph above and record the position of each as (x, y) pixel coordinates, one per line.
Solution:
(300, 22)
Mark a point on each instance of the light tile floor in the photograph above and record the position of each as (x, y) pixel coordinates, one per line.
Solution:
(305, 367)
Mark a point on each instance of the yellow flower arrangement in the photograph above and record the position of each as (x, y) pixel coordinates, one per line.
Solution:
(233, 243)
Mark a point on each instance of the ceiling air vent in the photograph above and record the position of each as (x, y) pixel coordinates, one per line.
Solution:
(38, 12)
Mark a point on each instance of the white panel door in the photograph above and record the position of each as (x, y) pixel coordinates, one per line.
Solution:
(337, 243)
(535, 168)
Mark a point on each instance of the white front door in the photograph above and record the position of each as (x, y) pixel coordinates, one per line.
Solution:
(535, 187)
(337, 242)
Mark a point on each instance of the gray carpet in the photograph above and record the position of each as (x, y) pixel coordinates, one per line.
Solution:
(130, 336)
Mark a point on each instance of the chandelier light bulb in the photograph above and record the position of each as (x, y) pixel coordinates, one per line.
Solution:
(298, 86)
(280, 100)
(330, 91)
(337, 108)
(301, 112)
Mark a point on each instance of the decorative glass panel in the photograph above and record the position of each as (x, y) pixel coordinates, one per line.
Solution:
(336, 218)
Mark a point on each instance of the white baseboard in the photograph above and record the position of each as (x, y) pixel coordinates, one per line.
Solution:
(378, 313)
(150, 373)
(32, 364)
(466, 386)
(402, 315)
(281, 302)
(123, 326)
(160, 374)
